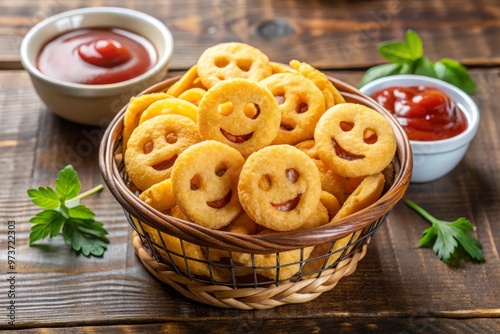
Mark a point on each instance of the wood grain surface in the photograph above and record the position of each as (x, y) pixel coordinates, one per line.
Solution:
(397, 288)
(329, 34)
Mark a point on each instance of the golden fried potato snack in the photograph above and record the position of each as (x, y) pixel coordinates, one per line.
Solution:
(239, 113)
(330, 92)
(319, 217)
(334, 183)
(309, 148)
(281, 68)
(193, 95)
(134, 110)
(189, 80)
(276, 266)
(279, 187)
(232, 60)
(159, 195)
(300, 103)
(205, 181)
(177, 213)
(252, 147)
(170, 106)
(367, 193)
(354, 140)
(331, 203)
(186, 264)
(155, 145)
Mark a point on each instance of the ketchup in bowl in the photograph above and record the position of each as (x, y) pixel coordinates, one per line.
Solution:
(97, 56)
(424, 112)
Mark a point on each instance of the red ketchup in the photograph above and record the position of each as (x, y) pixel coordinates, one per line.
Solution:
(425, 113)
(97, 56)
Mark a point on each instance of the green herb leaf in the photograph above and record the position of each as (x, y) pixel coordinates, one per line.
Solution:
(380, 71)
(46, 223)
(399, 52)
(414, 44)
(86, 236)
(445, 237)
(395, 52)
(407, 58)
(45, 198)
(424, 66)
(62, 210)
(451, 71)
(406, 68)
(67, 183)
(80, 212)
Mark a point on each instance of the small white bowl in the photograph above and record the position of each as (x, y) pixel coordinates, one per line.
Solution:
(434, 159)
(94, 104)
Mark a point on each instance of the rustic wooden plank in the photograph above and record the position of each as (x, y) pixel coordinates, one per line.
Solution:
(396, 279)
(330, 35)
(252, 324)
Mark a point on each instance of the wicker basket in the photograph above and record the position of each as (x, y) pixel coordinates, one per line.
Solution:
(164, 243)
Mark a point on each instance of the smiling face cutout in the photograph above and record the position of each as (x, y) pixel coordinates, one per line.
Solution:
(301, 104)
(239, 113)
(154, 146)
(279, 187)
(354, 140)
(204, 183)
(232, 60)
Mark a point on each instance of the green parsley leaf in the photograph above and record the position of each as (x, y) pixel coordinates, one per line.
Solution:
(414, 44)
(452, 71)
(67, 183)
(445, 237)
(395, 52)
(424, 66)
(399, 52)
(407, 58)
(86, 236)
(62, 210)
(380, 71)
(46, 223)
(80, 212)
(46, 198)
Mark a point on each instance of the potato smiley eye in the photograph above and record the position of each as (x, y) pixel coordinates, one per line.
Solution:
(195, 182)
(346, 126)
(226, 108)
(171, 138)
(301, 108)
(148, 147)
(244, 64)
(370, 136)
(265, 182)
(280, 99)
(221, 170)
(251, 110)
(221, 62)
(292, 175)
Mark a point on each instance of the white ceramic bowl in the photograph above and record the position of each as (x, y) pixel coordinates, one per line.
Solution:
(434, 159)
(94, 104)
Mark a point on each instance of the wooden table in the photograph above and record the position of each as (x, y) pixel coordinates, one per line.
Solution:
(398, 287)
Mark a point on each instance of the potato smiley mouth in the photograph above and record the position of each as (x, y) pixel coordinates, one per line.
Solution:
(165, 164)
(289, 205)
(237, 139)
(344, 154)
(222, 202)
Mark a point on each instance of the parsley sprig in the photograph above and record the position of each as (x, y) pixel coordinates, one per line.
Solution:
(449, 240)
(408, 58)
(62, 209)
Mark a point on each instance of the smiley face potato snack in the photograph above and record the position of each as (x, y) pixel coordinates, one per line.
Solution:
(246, 146)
